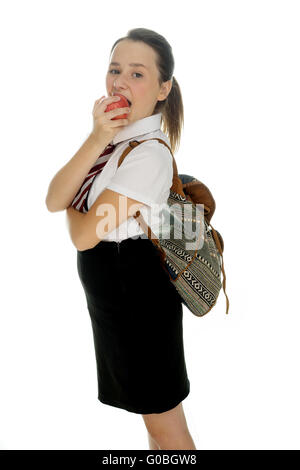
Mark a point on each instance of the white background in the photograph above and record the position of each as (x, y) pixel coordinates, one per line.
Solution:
(237, 63)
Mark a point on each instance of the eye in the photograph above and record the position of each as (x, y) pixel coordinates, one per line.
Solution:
(115, 70)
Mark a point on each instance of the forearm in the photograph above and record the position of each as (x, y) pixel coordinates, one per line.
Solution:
(67, 181)
(75, 221)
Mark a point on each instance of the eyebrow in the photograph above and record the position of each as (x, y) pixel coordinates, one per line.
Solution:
(132, 65)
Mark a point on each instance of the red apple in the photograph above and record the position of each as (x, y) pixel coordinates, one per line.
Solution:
(122, 103)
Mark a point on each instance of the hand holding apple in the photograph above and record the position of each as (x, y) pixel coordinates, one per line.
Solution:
(109, 116)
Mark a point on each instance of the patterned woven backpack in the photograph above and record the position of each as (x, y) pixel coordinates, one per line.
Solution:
(194, 271)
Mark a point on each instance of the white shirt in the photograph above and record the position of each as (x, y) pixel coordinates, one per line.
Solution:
(146, 175)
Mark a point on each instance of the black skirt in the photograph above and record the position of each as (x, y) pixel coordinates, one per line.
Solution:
(136, 317)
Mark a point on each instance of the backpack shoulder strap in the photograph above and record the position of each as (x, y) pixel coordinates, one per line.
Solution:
(176, 183)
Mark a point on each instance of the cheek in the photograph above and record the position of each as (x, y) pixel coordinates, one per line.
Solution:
(109, 82)
(142, 92)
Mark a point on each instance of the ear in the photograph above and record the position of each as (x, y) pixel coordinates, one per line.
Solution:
(165, 90)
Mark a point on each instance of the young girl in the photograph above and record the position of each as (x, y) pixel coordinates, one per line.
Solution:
(135, 311)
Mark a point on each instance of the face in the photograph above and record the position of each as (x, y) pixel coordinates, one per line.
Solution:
(137, 83)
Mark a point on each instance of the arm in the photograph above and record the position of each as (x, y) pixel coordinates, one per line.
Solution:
(110, 210)
(75, 223)
(67, 181)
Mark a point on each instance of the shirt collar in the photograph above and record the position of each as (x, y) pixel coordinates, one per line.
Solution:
(139, 127)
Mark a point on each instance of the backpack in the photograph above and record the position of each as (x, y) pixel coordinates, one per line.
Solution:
(195, 272)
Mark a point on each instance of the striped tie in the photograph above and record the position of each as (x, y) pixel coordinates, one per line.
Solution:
(80, 200)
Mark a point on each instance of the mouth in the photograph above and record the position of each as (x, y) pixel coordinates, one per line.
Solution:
(129, 102)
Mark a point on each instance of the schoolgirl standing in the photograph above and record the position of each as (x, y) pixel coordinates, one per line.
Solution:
(135, 311)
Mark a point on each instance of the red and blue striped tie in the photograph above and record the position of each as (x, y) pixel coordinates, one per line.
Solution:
(80, 200)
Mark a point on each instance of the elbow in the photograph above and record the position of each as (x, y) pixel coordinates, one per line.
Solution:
(79, 248)
(49, 200)
(48, 205)
(76, 242)
(83, 244)
(51, 206)
(78, 245)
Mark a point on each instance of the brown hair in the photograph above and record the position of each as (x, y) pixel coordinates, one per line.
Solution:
(172, 107)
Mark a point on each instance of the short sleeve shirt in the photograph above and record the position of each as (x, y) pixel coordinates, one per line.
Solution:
(146, 175)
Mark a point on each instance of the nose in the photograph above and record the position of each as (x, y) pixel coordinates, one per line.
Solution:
(118, 84)
(117, 88)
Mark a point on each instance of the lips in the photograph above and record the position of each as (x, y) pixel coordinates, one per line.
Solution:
(126, 99)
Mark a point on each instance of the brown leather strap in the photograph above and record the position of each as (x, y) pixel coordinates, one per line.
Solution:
(155, 240)
(216, 238)
(177, 186)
